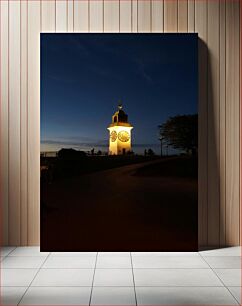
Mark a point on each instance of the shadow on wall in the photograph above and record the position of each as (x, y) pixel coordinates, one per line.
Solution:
(210, 226)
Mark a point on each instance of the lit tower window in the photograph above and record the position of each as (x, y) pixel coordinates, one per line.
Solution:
(120, 133)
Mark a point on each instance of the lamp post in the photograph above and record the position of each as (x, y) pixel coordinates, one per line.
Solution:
(161, 139)
(161, 145)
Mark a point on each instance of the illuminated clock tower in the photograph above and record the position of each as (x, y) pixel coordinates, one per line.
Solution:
(120, 133)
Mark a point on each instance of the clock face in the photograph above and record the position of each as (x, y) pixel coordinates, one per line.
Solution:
(123, 136)
(113, 136)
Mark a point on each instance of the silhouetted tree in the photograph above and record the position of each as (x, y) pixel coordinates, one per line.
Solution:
(150, 152)
(181, 132)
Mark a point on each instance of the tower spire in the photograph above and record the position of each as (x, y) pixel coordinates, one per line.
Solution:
(120, 105)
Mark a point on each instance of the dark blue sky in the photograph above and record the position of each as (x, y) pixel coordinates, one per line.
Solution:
(84, 75)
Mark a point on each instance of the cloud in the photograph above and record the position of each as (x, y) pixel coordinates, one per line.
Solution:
(142, 70)
(145, 145)
(62, 78)
(98, 143)
(75, 44)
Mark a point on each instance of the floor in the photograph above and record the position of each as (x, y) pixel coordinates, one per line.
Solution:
(30, 277)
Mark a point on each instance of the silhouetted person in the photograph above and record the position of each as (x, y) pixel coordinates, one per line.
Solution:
(92, 151)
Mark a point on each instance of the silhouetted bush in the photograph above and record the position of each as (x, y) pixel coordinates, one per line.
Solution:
(71, 154)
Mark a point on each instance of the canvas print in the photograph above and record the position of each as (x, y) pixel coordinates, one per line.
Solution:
(119, 142)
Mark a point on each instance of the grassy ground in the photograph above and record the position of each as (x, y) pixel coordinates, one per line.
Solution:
(183, 166)
(143, 205)
(59, 168)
